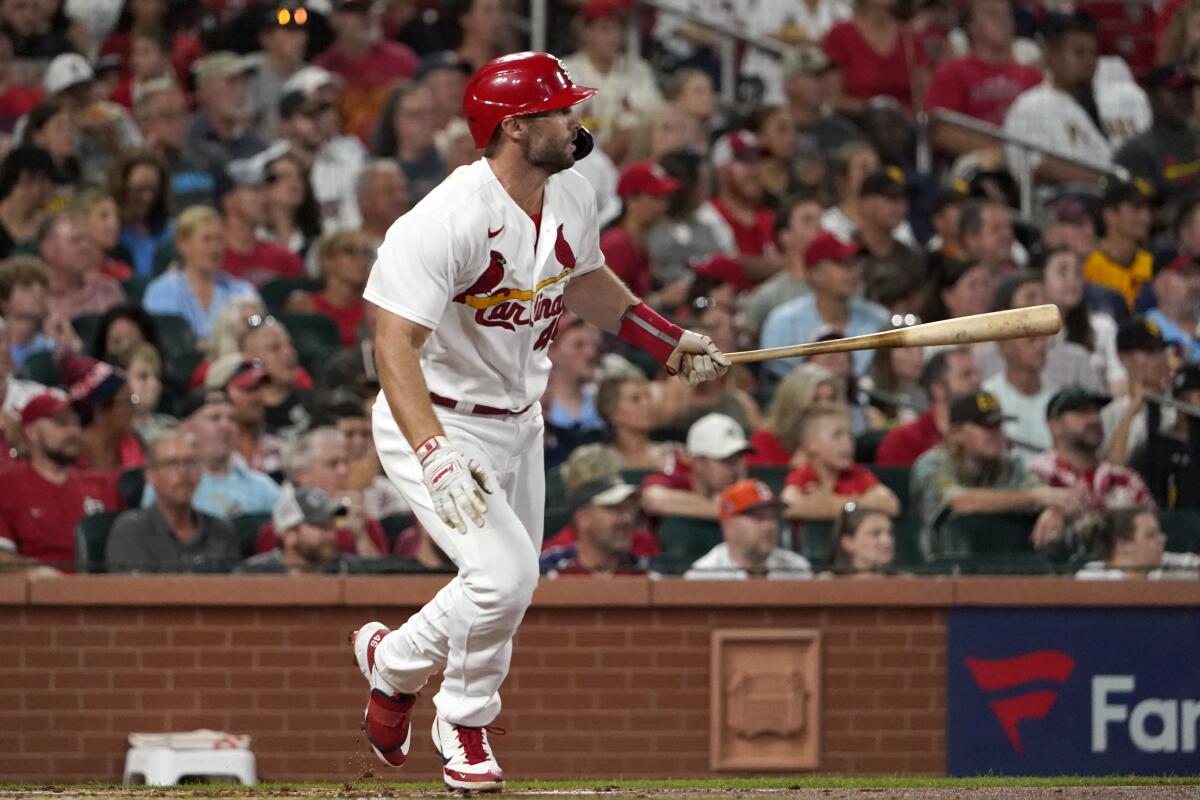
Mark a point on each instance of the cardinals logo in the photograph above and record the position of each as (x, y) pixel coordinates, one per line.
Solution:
(497, 306)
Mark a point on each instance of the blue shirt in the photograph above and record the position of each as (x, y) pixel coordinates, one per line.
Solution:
(239, 491)
(21, 352)
(142, 248)
(588, 417)
(1173, 334)
(172, 294)
(798, 321)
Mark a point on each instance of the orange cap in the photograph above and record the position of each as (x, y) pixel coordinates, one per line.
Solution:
(746, 495)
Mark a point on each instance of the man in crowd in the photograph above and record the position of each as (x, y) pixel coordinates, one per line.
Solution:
(1074, 462)
(286, 406)
(170, 535)
(382, 196)
(225, 113)
(716, 451)
(1022, 393)
(882, 208)
(972, 472)
(243, 379)
(244, 208)
(835, 277)
(24, 289)
(742, 222)
(226, 487)
(75, 287)
(1069, 112)
(1120, 262)
(947, 374)
(306, 521)
(1177, 312)
(749, 516)
(986, 234)
(796, 226)
(983, 83)
(160, 108)
(45, 497)
(1167, 156)
(1143, 353)
(820, 132)
(603, 512)
(283, 38)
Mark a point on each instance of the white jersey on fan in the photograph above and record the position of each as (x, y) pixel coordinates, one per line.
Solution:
(1053, 118)
(463, 264)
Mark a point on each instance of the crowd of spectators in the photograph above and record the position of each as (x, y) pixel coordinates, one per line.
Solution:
(192, 193)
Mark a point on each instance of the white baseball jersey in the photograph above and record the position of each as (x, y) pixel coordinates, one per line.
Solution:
(1051, 117)
(463, 263)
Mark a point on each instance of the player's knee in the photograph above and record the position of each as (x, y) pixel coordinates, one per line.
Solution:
(507, 589)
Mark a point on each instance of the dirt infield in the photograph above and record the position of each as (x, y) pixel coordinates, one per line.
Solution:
(731, 789)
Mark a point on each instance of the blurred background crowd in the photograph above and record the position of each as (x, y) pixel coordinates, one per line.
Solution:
(192, 193)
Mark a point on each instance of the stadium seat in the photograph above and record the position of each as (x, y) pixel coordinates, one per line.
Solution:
(684, 540)
(906, 529)
(315, 336)
(91, 539)
(246, 526)
(131, 485)
(865, 445)
(275, 292)
(771, 476)
(135, 287)
(165, 257)
(978, 534)
(636, 476)
(814, 541)
(1182, 527)
(556, 491)
(896, 479)
(85, 326)
(393, 526)
(40, 367)
(992, 564)
(174, 335)
(181, 366)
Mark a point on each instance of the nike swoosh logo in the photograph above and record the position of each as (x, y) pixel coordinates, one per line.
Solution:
(494, 233)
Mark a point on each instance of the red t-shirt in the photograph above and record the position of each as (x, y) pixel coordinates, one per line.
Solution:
(38, 517)
(268, 540)
(265, 262)
(768, 451)
(368, 81)
(627, 258)
(755, 239)
(979, 89)
(855, 479)
(185, 49)
(903, 444)
(678, 477)
(644, 544)
(866, 73)
(15, 103)
(347, 319)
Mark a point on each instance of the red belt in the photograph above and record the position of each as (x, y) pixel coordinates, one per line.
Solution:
(475, 408)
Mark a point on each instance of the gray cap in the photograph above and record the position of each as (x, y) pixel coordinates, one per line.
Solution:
(303, 504)
(806, 59)
(222, 64)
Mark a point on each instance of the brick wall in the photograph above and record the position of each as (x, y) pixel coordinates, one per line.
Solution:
(609, 678)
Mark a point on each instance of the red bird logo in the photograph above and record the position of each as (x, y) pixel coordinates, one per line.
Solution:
(563, 251)
(486, 283)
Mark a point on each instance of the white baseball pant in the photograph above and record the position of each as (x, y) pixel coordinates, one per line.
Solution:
(467, 628)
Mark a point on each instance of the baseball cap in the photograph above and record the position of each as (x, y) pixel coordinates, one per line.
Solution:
(1186, 379)
(608, 491)
(716, 436)
(65, 71)
(645, 177)
(828, 247)
(598, 9)
(304, 504)
(722, 268)
(980, 408)
(233, 369)
(888, 182)
(739, 145)
(46, 405)
(747, 495)
(221, 64)
(308, 79)
(1140, 334)
(806, 59)
(954, 195)
(1169, 76)
(1175, 262)
(109, 63)
(197, 399)
(1075, 398)
(1115, 191)
(442, 60)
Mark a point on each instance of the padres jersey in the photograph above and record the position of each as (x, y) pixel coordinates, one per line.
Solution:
(1127, 279)
(463, 263)
(1051, 117)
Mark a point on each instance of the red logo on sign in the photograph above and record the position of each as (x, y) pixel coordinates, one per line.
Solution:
(993, 675)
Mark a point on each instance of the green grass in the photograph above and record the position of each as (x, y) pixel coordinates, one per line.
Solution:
(689, 786)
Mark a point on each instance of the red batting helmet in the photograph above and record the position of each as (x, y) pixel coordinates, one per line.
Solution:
(512, 85)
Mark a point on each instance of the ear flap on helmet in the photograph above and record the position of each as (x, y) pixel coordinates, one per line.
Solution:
(584, 142)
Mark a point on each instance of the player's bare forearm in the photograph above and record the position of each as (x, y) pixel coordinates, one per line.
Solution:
(600, 298)
(397, 354)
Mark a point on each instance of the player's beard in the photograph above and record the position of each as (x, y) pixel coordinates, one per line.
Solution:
(547, 154)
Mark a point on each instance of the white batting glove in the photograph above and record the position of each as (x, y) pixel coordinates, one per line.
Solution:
(456, 483)
(697, 359)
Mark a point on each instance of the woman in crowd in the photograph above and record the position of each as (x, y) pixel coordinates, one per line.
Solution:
(481, 32)
(198, 289)
(878, 55)
(776, 442)
(690, 91)
(777, 134)
(864, 544)
(51, 126)
(154, 15)
(232, 324)
(101, 396)
(405, 132)
(120, 330)
(1131, 544)
(104, 229)
(682, 237)
(26, 185)
(962, 289)
(570, 399)
(141, 187)
(644, 188)
(1095, 331)
(892, 384)
(346, 258)
(293, 219)
(145, 381)
(624, 402)
(852, 163)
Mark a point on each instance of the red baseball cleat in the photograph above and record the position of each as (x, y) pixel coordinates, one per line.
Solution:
(468, 764)
(386, 720)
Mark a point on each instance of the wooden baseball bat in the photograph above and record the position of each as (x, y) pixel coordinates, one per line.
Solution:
(1016, 323)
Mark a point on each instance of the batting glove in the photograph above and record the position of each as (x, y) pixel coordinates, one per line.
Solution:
(455, 483)
(697, 359)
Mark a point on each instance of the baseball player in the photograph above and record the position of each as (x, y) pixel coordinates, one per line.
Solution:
(470, 285)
